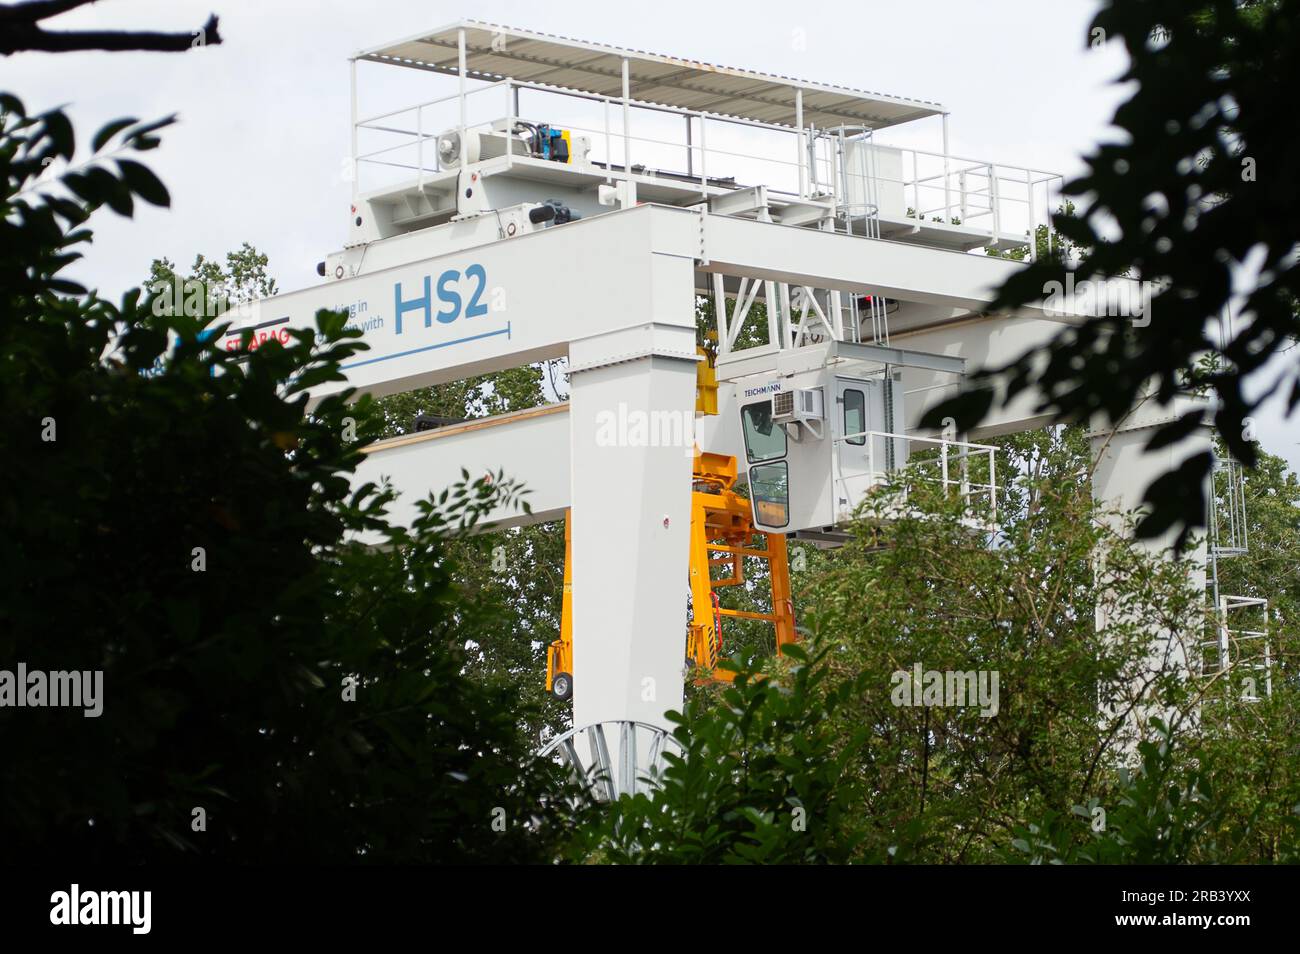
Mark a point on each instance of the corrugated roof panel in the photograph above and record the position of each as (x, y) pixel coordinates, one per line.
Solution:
(495, 52)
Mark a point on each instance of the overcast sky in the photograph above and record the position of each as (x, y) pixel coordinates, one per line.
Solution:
(259, 153)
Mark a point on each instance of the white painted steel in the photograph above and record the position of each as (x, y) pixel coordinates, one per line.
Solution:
(540, 293)
(532, 448)
(614, 293)
(495, 51)
(630, 539)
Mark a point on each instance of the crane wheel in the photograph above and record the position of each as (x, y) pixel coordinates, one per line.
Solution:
(562, 686)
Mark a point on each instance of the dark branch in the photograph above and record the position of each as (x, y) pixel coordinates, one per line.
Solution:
(24, 35)
(35, 10)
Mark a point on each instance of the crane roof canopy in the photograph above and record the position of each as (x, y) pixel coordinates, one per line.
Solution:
(496, 52)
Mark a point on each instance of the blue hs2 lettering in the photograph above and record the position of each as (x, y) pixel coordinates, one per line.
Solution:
(452, 288)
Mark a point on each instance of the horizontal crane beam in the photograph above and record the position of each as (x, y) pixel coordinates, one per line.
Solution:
(530, 447)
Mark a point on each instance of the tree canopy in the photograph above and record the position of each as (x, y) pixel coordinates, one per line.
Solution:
(1196, 198)
(174, 518)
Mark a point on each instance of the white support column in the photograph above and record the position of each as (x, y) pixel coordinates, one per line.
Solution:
(947, 187)
(811, 152)
(356, 173)
(631, 527)
(690, 151)
(629, 187)
(772, 306)
(704, 174)
(631, 415)
(609, 150)
(787, 329)
(460, 75)
(1122, 471)
(512, 114)
(419, 147)
(803, 152)
(720, 315)
(995, 201)
(1033, 220)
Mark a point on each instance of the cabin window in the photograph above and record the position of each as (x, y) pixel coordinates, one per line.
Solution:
(769, 485)
(855, 416)
(764, 439)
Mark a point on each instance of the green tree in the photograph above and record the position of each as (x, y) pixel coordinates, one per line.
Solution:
(514, 390)
(519, 569)
(1162, 813)
(173, 517)
(1047, 247)
(1195, 195)
(930, 586)
(244, 277)
(1096, 751)
(528, 587)
(759, 779)
(1247, 734)
(1268, 567)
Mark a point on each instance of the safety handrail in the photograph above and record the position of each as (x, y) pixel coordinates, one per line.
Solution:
(968, 489)
(973, 188)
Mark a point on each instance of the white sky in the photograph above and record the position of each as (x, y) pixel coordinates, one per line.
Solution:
(260, 151)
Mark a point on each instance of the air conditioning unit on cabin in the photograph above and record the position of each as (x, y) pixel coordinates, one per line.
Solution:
(797, 406)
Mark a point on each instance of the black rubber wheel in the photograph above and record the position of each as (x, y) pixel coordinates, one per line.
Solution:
(562, 686)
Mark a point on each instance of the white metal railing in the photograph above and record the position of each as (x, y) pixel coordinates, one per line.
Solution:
(714, 154)
(612, 146)
(1241, 646)
(1228, 527)
(413, 126)
(949, 469)
(909, 184)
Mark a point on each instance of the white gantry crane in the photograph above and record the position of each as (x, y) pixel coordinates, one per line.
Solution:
(567, 199)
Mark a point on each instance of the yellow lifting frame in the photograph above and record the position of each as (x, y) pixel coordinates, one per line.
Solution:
(722, 535)
(559, 656)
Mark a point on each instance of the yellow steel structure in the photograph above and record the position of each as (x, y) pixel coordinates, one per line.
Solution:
(559, 658)
(722, 535)
(706, 381)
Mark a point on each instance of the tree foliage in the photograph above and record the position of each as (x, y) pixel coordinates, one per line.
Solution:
(1196, 194)
(933, 589)
(174, 517)
(759, 778)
